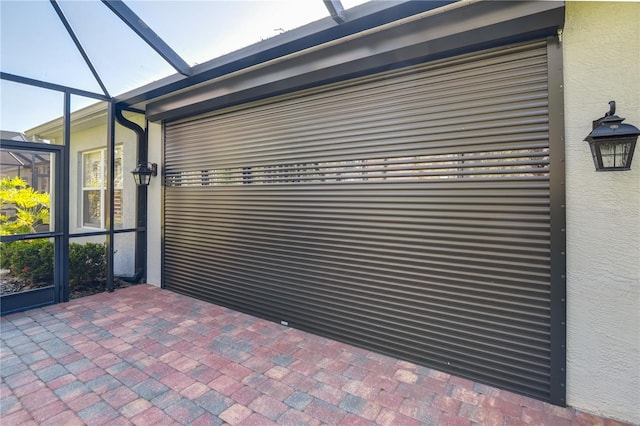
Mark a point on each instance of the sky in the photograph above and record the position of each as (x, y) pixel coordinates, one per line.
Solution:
(35, 44)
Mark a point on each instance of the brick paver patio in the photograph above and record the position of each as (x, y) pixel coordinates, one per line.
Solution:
(146, 356)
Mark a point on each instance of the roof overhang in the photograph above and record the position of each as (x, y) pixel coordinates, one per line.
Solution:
(356, 20)
(86, 118)
(447, 30)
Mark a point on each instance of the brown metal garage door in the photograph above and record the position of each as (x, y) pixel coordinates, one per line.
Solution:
(409, 212)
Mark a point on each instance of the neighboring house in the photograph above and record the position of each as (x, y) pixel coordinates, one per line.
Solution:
(422, 189)
(33, 168)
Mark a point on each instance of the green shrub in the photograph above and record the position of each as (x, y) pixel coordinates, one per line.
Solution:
(6, 251)
(87, 262)
(31, 261)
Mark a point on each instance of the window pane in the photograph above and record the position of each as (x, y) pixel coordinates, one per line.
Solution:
(91, 208)
(118, 160)
(117, 208)
(91, 171)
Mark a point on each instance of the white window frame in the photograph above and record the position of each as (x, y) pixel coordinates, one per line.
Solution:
(101, 187)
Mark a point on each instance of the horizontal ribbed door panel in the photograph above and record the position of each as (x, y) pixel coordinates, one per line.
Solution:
(406, 212)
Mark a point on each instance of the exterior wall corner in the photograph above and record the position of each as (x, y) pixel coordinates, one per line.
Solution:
(601, 47)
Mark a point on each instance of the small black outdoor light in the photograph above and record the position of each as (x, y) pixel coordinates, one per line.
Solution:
(612, 143)
(142, 174)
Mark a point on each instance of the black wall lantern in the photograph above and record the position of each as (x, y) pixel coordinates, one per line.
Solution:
(142, 174)
(612, 143)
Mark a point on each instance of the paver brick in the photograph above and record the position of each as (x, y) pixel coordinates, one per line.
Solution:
(152, 416)
(33, 356)
(164, 400)
(304, 367)
(282, 360)
(236, 371)
(131, 376)
(257, 363)
(585, 419)
(420, 411)
(532, 416)
(256, 419)
(327, 393)
(277, 372)
(360, 389)
(17, 417)
(299, 382)
(9, 404)
(67, 418)
(391, 400)
(204, 373)
(61, 381)
(52, 372)
(556, 411)
(119, 396)
(360, 406)
(388, 417)
(333, 365)
(214, 402)
(507, 408)
(275, 389)
(446, 404)
(107, 360)
(78, 366)
(331, 379)
(405, 376)
(207, 419)
(268, 407)
(355, 372)
(90, 374)
(184, 364)
(103, 384)
(83, 401)
(195, 390)
(325, 412)
(149, 389)
(354, 420)
(453, 420)
(98, 414)
(16, 339)
(225, 385)
(296, 418)
(47, 362)
(298, 400)
(177, 380)
(465, 395)
(235, 414)
(254, 379)
(24, 390)
(245, 395)
(135, 407)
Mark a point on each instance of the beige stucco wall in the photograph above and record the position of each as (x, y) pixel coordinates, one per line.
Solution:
(154, 242)
(601, 47)
(88, 140)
